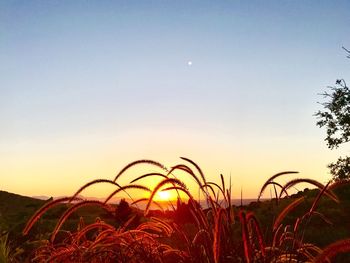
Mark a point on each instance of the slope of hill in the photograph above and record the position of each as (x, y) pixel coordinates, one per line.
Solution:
(15, 210)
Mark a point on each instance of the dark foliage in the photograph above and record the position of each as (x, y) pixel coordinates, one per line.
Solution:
(336, 119)
(340, 169)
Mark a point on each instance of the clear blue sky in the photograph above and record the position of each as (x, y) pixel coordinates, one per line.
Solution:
(96, 84)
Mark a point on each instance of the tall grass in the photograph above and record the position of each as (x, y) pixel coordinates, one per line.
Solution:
(220, 232)
(5, 256)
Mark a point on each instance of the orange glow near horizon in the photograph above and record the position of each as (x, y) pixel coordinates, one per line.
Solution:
(164, 196)
(60, 167)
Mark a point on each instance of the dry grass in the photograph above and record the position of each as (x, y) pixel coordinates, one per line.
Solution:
(329, 253)
(223, 233)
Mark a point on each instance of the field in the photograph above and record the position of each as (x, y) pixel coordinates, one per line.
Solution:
(312, 225)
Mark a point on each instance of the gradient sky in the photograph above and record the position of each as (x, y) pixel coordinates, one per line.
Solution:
(88, 86)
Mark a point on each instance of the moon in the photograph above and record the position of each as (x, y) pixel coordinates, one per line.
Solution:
(189, 63)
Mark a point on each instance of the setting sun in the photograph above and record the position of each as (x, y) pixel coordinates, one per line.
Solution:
(163, 196)
(174, 131)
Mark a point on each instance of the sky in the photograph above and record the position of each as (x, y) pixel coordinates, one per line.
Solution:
(89, 86)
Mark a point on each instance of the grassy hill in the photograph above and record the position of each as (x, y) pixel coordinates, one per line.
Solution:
(332, 224)
(15, 210)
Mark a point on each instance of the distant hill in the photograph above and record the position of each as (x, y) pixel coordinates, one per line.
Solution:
(41, 197)
(16, 209)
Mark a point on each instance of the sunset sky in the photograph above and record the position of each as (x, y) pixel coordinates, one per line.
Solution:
(89, 86)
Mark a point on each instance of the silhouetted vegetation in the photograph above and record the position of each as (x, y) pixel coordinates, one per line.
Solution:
(284, 229)
(336, 119)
